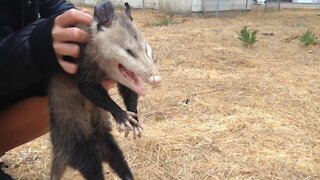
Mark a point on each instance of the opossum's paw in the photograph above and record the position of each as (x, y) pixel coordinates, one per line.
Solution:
(129, 123)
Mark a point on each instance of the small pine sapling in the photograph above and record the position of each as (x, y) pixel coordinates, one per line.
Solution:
(308, 38)
(247, 38)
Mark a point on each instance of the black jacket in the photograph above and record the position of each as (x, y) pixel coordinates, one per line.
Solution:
(26, 53)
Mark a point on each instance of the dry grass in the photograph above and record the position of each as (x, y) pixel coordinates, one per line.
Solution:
(223, 111)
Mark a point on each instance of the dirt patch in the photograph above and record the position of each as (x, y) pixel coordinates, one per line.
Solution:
(222, 111)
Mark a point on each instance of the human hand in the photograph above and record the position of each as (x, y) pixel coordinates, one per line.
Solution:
(66, 36)
(108, 83)
(65, 39)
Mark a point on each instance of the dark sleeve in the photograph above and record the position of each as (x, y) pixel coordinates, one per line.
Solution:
(50, 8)
(27, 56)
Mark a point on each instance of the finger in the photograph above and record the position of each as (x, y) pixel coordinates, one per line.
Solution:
(133, 114)
(132, 120)
(67, 49)
(111, 81)
(85, 10)
(127, 131)
(68, 67)
(139, 132)
(122, 126)
(73, 34)
(135, 132)
(140, 128)
(118, 127)
(73, 17)
(127, 123)
(108, 84)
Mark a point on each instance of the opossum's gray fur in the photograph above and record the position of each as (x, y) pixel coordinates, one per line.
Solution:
(80, 128)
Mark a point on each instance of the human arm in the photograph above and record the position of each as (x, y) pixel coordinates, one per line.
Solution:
(35, 52)
(26, 54)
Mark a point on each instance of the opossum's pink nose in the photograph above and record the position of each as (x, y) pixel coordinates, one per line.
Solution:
(155, 80)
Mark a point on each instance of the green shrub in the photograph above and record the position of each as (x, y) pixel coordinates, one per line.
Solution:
(308, 38)
(164, 20)
(247, 38)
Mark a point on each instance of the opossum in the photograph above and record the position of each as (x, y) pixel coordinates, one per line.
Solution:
(79, 105)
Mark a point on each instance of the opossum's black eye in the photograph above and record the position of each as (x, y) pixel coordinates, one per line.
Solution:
(99, 27)
(131, 53)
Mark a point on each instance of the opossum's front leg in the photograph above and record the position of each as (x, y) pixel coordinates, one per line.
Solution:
(130, 99)
(100, 97)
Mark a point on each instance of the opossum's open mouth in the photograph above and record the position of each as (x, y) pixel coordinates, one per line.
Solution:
(132, 79)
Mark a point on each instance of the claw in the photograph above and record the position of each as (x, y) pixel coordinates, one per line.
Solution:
(135, 133)
(127, 123)
(119, 127)
(127, 131)
(140, 129)
(130, 124)
(122, 126)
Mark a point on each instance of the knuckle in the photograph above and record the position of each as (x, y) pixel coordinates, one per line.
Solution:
(76, 33)
(72, 13)
(55, 32)
(57, 19)
(55, 45)
(75, 50)
(85, 10)
(57, 48)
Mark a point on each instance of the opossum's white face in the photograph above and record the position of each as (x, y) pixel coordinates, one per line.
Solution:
(123, 54)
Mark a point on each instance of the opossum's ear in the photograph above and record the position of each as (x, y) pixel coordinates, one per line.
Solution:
(128, 10)
(103, 14)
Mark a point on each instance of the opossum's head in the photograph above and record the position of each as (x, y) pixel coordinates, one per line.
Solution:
(122, 52)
